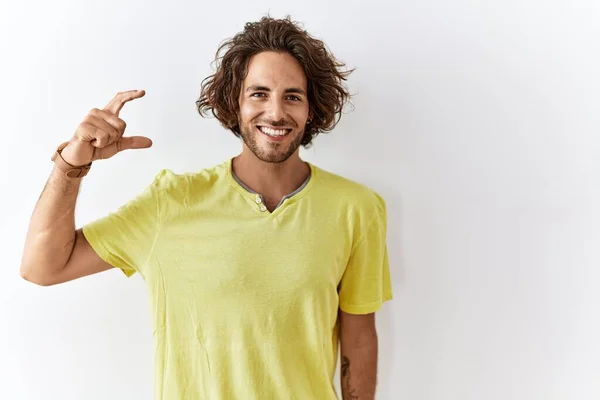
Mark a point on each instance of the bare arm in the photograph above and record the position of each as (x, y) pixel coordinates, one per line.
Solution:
(358, 339)
(54, 251)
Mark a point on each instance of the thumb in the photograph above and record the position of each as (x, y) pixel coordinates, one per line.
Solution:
(134, 142)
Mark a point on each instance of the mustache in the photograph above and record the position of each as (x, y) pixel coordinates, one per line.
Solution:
(281, 122)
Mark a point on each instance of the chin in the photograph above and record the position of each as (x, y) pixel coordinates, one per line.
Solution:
(271, 156)
(272, 151)
(272, 146)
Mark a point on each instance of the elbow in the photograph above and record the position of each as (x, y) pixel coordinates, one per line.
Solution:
(30, 276)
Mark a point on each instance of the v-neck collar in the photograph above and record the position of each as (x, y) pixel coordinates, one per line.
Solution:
(256, 199)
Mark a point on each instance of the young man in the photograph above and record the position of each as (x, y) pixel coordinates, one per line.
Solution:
(257, 267)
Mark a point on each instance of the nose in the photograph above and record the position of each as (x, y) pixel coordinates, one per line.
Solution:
(276, 109)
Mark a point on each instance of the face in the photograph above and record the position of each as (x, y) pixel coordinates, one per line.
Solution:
(273, 106)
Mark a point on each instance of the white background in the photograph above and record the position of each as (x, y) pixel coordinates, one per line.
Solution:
(477, 121)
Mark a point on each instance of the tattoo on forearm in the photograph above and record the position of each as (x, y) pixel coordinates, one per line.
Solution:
(348, 392)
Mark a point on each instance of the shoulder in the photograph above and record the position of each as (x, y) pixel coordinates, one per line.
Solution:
(359, 208)
(358, 205)
(168, 179)
(166, 182)
(353, 194)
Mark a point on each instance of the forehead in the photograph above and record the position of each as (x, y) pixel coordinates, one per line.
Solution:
(275, 70)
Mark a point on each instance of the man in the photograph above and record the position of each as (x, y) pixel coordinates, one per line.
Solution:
(258, 267)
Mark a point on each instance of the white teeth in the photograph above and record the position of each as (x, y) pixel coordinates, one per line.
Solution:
(273, 132)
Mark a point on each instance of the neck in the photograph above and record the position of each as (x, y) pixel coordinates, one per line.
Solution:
(272, 180)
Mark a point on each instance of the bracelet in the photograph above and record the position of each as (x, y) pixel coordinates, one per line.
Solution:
(69, 170)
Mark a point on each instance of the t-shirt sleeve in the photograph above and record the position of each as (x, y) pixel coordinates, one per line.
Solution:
(125, 238)
(366, 283)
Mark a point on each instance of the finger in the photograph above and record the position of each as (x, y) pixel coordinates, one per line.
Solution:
(104, 126)
(133, 142)
(114, 121)
(102, 138)
(117, 103)
(125, 143)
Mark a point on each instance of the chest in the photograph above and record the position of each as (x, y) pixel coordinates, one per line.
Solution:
(249, 259)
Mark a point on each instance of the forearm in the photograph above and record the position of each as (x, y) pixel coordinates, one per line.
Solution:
(359, 368)
(51, 234)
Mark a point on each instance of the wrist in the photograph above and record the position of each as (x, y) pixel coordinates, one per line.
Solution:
(68, 169)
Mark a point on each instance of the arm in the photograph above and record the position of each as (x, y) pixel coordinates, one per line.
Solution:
(358, 339)
(54, 251)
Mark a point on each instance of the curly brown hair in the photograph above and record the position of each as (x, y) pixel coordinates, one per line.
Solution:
(327, 93)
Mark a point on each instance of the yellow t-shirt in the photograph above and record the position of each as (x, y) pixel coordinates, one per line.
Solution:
(245, 301)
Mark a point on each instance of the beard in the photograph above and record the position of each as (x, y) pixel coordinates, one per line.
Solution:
(270, 152)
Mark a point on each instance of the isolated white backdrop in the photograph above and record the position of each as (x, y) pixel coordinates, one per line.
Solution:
(477, 121)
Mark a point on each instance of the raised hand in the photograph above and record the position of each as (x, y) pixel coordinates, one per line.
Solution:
(100, 135)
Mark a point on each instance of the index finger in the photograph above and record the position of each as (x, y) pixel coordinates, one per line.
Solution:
(117, 102)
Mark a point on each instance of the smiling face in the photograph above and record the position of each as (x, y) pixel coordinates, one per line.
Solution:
(273, 106)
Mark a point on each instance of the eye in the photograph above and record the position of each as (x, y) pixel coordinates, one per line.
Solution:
(257, 94)
(294, 98)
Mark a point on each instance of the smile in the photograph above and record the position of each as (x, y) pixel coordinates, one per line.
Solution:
(274, 133)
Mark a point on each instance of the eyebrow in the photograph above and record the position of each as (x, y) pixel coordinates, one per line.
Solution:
(259, 88)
